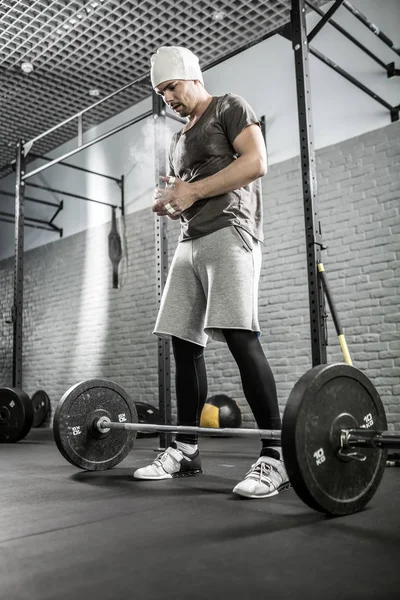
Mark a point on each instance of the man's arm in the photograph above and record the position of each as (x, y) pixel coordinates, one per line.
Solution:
(249, 166)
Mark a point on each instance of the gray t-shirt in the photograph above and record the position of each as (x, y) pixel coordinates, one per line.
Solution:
(205, 149)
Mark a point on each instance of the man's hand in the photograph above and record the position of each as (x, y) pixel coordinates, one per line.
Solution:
(171, 201)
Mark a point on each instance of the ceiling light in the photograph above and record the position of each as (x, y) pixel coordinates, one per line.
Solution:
(219, 15)
(72, 21)
(94, 4)
(27, 67)
(66, 26)
(94, 92)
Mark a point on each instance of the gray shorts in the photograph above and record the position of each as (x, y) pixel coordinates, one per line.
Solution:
(212, 284)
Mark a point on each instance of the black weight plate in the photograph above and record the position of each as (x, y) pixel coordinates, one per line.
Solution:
(16, 414)
(147, 413)
(76, 437)
(41, 406)
(326, 399)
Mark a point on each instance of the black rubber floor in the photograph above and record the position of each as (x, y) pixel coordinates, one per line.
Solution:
(70, 534)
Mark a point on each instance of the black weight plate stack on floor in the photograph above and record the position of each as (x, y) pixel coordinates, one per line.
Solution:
(16, 414)
(41, 407)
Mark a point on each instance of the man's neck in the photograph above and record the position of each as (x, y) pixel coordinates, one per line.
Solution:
(200, 109)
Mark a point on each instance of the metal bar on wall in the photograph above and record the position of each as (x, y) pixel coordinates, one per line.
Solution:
(164, 353)
(18, 266)
(309, 181)
(371, 26)
(88, 144)
(121, 183)
(27, 199)
(71, 166)
(325, 18)
(59, 209)
(348, 36)
(85, 110)
(33, 219)
(32, 225)
(64, 193)
(350, 78)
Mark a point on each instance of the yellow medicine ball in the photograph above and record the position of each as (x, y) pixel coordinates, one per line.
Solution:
(221, 411)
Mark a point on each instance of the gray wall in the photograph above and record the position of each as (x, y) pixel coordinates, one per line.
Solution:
(76, 326)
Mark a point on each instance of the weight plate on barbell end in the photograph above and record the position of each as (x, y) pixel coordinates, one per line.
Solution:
(326, 399)
(78, 440)
(41, 406)
(16, 414)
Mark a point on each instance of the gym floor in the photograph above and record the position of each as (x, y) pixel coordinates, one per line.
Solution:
(67, 533)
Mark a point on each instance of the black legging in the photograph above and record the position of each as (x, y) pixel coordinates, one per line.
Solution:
(257, 380)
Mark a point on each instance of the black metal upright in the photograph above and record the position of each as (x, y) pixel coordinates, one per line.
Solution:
(164, 355)
(309, 180)
(18, 266)
(121, 184)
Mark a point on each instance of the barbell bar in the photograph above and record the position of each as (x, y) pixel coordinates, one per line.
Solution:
(103, 424)
(369, 438)
(348, 437)
(330, 410)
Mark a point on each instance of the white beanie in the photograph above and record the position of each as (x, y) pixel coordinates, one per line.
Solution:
(174, 62)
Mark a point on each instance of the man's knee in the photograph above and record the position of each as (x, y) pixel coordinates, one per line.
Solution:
(183, 348)
(240, 337)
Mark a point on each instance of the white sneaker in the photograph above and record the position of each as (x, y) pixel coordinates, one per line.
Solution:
(267, 477)
(171, 463)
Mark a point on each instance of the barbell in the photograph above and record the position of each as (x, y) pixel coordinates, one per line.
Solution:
(332, 411)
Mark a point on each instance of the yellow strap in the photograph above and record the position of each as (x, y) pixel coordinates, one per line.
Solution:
(321, 267)
(345, 350)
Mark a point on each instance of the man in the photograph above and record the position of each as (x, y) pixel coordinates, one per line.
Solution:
(215, 165)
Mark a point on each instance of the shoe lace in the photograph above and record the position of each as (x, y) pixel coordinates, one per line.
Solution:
(260, 471)
(161, 457)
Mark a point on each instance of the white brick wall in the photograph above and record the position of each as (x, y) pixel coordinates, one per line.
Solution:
(76, 326)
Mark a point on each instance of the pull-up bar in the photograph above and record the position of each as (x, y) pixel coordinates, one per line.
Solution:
(64, 193)
(87, 145)
(35, 223)
(77, 167)
(347, 35)
(85, 110)
(371, 26)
